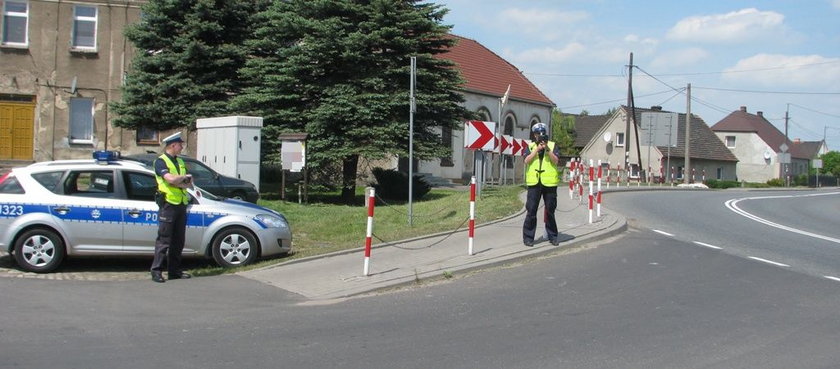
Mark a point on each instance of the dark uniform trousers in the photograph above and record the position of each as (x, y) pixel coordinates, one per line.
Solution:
(172, 222)
(532, 203)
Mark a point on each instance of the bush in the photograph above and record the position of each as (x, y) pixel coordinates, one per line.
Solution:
(714, 183)
(776, 182)
(393, 185)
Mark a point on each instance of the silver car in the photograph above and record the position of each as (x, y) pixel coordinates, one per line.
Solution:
(50, 210)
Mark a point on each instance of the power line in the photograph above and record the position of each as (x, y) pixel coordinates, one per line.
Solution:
(749, 70)
(612, 101)
(815, 111)
(768, 92)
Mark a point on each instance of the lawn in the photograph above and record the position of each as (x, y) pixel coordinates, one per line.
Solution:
(324, 226)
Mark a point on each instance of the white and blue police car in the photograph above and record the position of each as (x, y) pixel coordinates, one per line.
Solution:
(57, 209)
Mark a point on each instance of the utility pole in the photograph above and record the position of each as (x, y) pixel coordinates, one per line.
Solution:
(785, 146)
(629, 112)
(412, 109)
(687, 170)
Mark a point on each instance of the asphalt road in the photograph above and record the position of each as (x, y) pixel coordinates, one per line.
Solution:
(641, 300)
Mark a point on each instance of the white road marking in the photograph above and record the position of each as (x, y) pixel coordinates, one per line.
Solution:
(709, 246)
(662, 232)
(769, 262)
(733, 205)
(832, 278)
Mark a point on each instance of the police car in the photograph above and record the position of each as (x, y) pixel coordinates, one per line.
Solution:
(105, 206)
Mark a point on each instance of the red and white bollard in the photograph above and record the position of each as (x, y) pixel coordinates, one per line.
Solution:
(572, 169)
(704, 175)
(598, 213)
(369, 238)
(472, 216)
(590, 208)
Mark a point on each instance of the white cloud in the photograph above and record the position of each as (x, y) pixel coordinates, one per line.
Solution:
(737, 26)
(810, 72)
(679, 58)
(571, 51)
(836, 4)
(545, 24)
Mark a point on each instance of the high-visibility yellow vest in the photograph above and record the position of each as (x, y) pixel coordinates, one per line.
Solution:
(174, 195)
(542, 170)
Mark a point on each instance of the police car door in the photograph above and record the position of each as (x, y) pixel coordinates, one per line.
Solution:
(140, 212)
(89, 210)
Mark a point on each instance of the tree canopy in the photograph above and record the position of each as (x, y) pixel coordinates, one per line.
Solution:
(188, 55)
(831, 163)
(339, 70)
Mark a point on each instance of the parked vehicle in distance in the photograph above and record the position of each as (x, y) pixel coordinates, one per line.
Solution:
(208, 179)
(50, 210)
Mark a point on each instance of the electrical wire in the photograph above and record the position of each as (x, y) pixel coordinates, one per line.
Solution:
(767, 92)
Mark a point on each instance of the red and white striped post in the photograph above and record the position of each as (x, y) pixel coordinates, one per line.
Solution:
(591, 200)
(572, 169)
(598, 213)
(618, 176)
(591, 175)
(368, 239)
(704, 175)
(472, 216)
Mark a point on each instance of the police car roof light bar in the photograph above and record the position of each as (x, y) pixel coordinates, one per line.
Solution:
(103, 156)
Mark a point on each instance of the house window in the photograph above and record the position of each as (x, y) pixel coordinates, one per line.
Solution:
(730, 142)
(147, 136)
(484, 115)
(446, 140)
(619, 139)
(84, 27)
(15, 23)
(81, 120)
(719, 173)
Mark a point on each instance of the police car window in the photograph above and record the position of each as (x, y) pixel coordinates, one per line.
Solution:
(140, 186)
(90, 184)
(10, 184)
(50, 180)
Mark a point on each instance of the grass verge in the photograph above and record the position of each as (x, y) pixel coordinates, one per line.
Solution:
(324, 226)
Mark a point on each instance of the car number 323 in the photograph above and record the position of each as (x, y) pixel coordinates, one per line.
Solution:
(11, 210)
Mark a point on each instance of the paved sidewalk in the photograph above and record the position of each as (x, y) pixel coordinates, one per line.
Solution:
(340, 275)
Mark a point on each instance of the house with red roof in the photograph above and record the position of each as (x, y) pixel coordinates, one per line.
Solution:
(761, 148)
(487, 77)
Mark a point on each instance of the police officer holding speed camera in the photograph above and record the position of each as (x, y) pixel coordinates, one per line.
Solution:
(542, 157)
(172, 198)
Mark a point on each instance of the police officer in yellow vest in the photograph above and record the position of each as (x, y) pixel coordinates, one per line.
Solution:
(172, 180)
(542, 158)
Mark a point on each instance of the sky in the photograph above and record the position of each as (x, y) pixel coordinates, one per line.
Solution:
(774, 56)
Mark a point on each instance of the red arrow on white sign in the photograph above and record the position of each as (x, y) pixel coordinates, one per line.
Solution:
(479, 135)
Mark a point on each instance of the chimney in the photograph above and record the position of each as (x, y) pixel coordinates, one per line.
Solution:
(656, 108)
(743, 108)
(760, 114)
(797, 141)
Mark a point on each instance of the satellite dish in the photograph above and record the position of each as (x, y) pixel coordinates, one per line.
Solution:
(607, 136)
(767, 154)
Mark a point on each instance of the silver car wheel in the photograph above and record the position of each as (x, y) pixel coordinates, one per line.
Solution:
(234, 247)
(39, 250)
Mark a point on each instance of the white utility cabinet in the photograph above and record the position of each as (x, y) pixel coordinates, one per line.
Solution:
(231, 146)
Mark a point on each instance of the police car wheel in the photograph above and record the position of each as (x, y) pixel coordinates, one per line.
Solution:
(39, 250)
(234, 246)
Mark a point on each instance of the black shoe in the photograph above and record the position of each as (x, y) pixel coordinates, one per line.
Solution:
(180, 275)
(555, 242)
(157, 277)
(529, 243)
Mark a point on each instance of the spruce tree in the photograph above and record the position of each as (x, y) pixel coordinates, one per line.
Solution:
(339, 70)
(188, 55)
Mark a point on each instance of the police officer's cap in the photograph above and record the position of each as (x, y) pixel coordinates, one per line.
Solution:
(175, 137)
(539, 128)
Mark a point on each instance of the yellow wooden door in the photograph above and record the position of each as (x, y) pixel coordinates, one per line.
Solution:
(17, 122)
